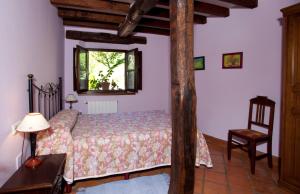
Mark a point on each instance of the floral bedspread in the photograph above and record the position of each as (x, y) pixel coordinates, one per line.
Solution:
(107, 144)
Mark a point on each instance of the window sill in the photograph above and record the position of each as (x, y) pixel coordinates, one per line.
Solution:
(105, 93)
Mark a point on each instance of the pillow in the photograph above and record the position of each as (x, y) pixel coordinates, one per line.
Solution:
(64, 120)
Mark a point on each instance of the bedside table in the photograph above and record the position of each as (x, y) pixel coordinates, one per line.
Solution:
(46, 178)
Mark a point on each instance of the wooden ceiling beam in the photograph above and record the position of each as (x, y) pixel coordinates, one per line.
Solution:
(156, 31)
(207, 9)
(76, 15)
(200, 8)
(104, 37)
(164, 14)
(89, 16)
(98, 25)
(112, 7)
(135, 14)
(94, 5)
(154, 23)
(111, 26)
(243, 3)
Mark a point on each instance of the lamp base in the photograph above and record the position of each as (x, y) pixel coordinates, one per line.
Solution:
(33, 162)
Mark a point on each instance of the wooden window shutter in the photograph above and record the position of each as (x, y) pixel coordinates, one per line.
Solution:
(139, 71)
(131, 71)
(75, 69)
(82, 69)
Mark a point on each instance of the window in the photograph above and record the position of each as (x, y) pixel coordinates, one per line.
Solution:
(107, 71)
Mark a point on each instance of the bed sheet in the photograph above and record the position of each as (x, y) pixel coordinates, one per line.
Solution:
(107, 144)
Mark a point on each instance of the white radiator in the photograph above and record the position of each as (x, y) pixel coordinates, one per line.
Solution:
(96, 107)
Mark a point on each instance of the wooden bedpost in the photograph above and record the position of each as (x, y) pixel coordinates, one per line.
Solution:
(183, 98)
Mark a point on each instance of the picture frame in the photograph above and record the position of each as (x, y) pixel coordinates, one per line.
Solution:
(199, 63)
(232, 60)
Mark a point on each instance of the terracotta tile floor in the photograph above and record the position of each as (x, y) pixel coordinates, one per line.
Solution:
(234, 177)
(226, 177)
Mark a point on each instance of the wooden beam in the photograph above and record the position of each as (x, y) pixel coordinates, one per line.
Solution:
(200, 8)
(136, 12)
(71, 14)
(207, 9)
(160, 24)
(111, 26)
(156, 31)
(108, 26)
(183, 98)
(109, 7)
(76, 15)
(243, 3)
(164, 14)
(104, 37)
(94, 5)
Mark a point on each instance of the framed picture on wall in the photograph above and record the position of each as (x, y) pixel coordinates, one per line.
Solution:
(199, 63)
(232, 60)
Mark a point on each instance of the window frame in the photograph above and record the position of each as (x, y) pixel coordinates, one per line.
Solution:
(138, 73)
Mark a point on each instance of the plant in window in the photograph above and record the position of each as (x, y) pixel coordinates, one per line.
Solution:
(114, 85)
(110, 60)
(104, 79)
(116, 71)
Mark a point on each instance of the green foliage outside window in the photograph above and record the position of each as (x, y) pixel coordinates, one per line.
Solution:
(102, 68)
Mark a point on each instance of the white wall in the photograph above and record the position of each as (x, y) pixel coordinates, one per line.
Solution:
(32, 42)
(223, 94)
(156, 74)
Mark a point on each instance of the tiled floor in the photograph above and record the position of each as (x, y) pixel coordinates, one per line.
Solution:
(226, 177)
(234, 177)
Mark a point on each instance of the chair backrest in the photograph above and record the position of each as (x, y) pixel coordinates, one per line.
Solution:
(258, 119)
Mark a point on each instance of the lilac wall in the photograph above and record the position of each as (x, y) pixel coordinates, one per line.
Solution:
(223, 94)
(156, 86)
(32, 42)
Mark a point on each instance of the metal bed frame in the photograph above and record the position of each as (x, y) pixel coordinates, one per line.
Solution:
(45, 99)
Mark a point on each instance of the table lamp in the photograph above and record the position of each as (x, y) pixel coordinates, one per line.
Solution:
(32, 123)
(71, 98)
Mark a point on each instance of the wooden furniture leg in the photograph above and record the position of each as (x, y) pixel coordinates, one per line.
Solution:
(229, 145)
(270, 163)
(252, 156)
(68, 188)
(126, 176)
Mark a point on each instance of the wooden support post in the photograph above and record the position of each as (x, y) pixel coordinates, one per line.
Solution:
(183, 98)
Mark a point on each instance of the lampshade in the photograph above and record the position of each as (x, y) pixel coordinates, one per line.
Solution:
(71, 98)
(33, 122)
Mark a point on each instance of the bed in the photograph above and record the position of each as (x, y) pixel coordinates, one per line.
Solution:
(99, 145)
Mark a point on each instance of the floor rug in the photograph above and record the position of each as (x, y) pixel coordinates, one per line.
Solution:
(157, 184)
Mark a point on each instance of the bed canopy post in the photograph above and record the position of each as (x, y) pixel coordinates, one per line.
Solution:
(183, 98)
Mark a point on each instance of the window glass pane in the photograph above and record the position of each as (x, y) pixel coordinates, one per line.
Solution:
(130, 80)
(131, 60)
(83, 66)
(106, 70)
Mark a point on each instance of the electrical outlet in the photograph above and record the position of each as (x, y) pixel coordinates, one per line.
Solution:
(18, 161)
(14, 127)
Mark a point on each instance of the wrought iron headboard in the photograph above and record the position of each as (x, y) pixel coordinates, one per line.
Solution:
(45, 99)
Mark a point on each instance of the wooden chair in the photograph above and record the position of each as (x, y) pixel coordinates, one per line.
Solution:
(248, 139)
